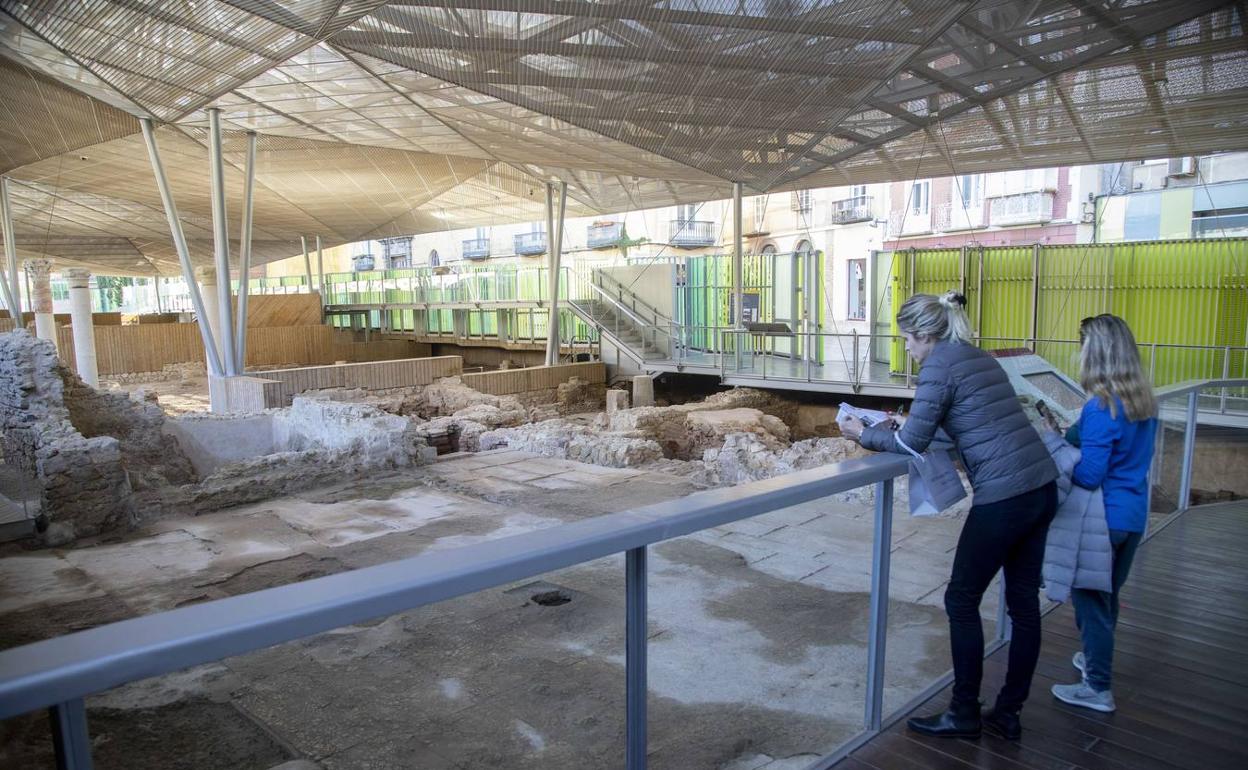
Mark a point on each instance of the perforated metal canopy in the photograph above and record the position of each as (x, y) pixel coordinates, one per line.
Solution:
(391, 118)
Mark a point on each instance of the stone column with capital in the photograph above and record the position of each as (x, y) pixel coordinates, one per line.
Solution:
(40, 273)
(206, 276)
(82, 324)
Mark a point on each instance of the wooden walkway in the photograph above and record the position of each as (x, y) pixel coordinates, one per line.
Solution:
(1180, 671)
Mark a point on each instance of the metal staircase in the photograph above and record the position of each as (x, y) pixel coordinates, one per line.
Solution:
(628, 322)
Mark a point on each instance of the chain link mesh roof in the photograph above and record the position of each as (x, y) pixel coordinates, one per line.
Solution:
(387, 118)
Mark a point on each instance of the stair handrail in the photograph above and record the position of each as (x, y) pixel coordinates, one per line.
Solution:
(658, 317)
(638, 320)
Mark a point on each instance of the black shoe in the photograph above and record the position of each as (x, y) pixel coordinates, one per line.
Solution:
(1003, 724)
(954, 723)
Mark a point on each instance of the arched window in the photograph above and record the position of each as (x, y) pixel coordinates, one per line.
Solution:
(433, 257)
(804, 247)
(769, 249)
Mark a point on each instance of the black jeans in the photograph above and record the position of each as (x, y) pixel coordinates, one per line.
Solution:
(1009, 535)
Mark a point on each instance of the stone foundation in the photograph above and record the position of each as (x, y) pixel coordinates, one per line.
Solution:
(90, 451)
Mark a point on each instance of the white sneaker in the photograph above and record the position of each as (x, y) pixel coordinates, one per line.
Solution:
(1082, 695)
(1078, 662)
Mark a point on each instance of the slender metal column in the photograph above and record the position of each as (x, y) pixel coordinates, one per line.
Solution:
(878, 632)
(13, 288)
(307, 262)
(244, 255)
(221, 241)
(1035, 296)
(552, 323)
(320, 269)
(554, 248)
(179, 244)
(962, 272)
(979, 296)
(738, 282)
(70, 737)
(635, 658)
(156, 286)
(1189, 448)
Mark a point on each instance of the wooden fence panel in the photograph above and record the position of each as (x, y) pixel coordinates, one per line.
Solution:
(150, 347)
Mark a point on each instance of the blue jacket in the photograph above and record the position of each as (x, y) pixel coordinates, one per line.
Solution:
(1116, 454)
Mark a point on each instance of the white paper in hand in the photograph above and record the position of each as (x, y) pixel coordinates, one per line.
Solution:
(869, 417)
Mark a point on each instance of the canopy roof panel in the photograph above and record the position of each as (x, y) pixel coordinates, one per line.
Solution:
(383, 118)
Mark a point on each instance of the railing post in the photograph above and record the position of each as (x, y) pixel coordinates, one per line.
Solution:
(635, 658)
(878, 630)
(1189, 448)
(854, 376)
(70, 737)
(1226, 375)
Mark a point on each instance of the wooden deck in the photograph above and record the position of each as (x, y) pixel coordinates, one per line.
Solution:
(1180, 671)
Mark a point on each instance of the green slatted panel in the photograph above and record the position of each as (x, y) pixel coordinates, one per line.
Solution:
(1007, 286)
(1170, 292)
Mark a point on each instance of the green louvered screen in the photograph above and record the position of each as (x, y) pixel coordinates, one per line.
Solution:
(1192, 293)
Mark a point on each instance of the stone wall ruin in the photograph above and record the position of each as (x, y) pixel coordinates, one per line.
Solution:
(95, 455)
(105, 460)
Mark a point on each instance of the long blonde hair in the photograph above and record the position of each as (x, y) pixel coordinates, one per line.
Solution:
(1109, 367)
(938, 318)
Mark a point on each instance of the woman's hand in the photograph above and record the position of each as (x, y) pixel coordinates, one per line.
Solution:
(852, 428)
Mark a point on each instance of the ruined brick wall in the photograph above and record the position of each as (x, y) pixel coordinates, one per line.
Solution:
(26, 402)
(576, 396)
(84, 486)
(95, 454)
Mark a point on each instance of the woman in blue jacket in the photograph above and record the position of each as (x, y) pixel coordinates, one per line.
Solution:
(1116, 434)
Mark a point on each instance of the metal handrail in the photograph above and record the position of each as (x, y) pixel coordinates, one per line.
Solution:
(1191, 389)
(645, 325)
(59, 673)
(658, 316)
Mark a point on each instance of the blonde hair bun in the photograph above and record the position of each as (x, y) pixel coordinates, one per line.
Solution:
(952, 300)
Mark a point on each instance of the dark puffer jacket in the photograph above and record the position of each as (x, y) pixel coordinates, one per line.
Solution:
(964, 391)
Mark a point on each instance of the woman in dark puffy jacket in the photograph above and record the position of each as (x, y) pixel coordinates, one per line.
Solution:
(965, 392)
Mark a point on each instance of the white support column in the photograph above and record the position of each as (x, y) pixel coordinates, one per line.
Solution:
(179, 244)
(737, 259)
(307, 262)
(554, 247)
(221, 244)
(244, 257)
(206, 276)
(82, 325)
(13, 289)
(320, 269)
(39, 272)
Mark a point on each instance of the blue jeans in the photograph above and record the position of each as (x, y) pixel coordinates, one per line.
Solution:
(1096, 612)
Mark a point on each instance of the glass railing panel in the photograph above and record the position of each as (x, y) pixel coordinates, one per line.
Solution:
(763, 624)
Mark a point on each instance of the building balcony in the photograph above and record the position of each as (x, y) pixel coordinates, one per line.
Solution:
(529, 244)
(1021, 208)
(850, 210)
(362, 263)
(604, 235)
(477, 248)
(952, 217)
(690, 234)
(903, 222)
